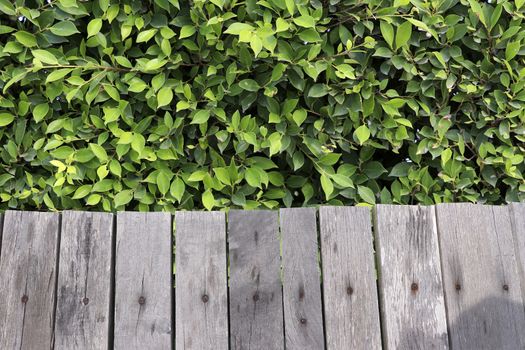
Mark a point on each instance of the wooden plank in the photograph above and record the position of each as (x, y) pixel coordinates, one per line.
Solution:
(28, 279)
(303, 314)
(349, 279)
(480, 273)
(411, 289)
(517, 211)
(201, 315)
(256, 315)
(143, 281)
(84, 279)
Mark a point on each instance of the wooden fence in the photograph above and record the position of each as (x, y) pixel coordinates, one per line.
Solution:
(397, 277)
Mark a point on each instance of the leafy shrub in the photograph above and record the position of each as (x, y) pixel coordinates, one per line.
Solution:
(169, 104)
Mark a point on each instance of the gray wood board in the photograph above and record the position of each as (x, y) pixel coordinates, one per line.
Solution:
(143, 281)
(411, 289)
(256, 315)
(28, 279)
(480, 273)
(201, 315)
(84, 280)
(349, 279)
(518, 227)
(303, 315)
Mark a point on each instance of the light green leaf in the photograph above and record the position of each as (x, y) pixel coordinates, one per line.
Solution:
(387, 31)
(305, 21)
(249, 85)
(146, 35)
(94, 26)
(6, 119)
(282, 25)
(238, 28)
(362, 134)
(512, 50)
(82, 191)
(7, 7)
(327, 186)
(99, 152)
(123, 198)
(40, 111)
(25, 38)
(164, 96)
(366, 194)
(310, 36)
(177, 188)
(256, 45)
(318, 90)
(187, 31)
(201, 117)
(208, 200)
(404, 32)
(163, 182)
(64, 28)
(58, 74)
(44, 56)
(299, 116)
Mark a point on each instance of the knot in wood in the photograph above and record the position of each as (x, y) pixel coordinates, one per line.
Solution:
(458, 287)
(205, 298)
(255, 297)
(85, 301)
(349, 290)
(506, 287)
(303, 321)
(25, 298)
(142, 300)
(414, 287)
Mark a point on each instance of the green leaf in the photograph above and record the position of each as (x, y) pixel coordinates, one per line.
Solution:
(387, 31)
(305, 21)
(163, 182)
(123, 198)
(238, 28)
(252, 177)
(318, 90)
(58, 74)
(94, 26)
(249, 85)
(25, 38)
(99, 152)
(282, 25)
(366, 194)
(177, 189)
(310, 36)
(327, 186)
(208, 200)
(201, 117)
(404, 32)
(40, 111)
(362, 134)
(146, 35)
(164, 96)
(299, 116)
(6, 119)
(256, 45)
(64, 28)
(512, 50)
(187, 31)
(44, 56)
(82, 191)
(7, 7)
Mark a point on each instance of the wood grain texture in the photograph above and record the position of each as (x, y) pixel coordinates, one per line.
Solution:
(201, 281)
(84, 279)
(28, 279)
(256, 315)
(517, 211)
(303, 315)
(349, 279)
(480, 272)
(143, 281)
(411, 289)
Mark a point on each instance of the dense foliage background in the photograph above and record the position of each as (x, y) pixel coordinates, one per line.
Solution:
(168, 104)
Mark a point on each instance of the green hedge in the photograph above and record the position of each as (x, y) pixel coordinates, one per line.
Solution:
(167, 104)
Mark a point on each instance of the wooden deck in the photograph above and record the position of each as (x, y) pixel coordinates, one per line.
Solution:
(400, 277)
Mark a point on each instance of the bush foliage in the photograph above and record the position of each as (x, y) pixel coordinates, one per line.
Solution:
(165, 104)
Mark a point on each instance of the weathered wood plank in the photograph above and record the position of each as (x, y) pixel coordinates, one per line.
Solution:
(143, 281)
(480, 273)
(256, 315)
(411, 289)
(303, 315)
(28, 279)
(84, 279)
(349, 279)
(201, 281)
(517, 211)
